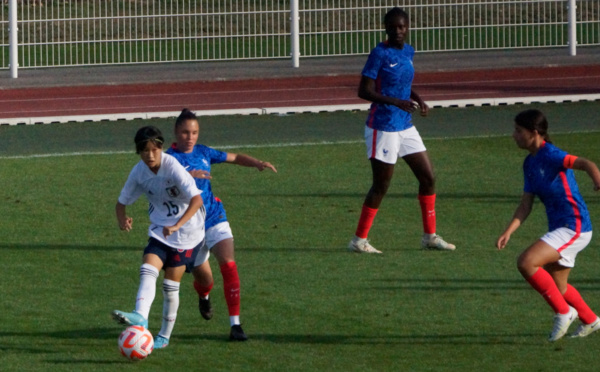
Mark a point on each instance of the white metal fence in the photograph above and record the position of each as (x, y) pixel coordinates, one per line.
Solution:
(97, 32)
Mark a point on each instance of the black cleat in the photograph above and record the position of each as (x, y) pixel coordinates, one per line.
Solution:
(205, 308)
(237, 333)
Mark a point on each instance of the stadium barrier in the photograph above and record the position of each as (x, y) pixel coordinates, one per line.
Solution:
(62, 33)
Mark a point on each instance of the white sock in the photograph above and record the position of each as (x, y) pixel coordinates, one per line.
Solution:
(234, 320)
(170, 306)
(428, 236)
(146, 290)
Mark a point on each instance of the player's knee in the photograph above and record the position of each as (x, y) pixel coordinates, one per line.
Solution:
(526, 264)
(202, 276)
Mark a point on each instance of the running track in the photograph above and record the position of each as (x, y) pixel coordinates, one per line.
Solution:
(458, 88)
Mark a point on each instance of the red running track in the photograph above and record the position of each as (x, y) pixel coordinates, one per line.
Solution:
(290, 92)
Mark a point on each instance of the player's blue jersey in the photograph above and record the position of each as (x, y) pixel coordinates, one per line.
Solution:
(555, 185)
(201, 158)
(393, 71)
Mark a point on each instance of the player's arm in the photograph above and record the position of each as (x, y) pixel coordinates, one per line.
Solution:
(520, 215)
(125, 223)
(202, 174)
(585, 165)
(249, 161)
(367, 90)
(193, 207)
(415, 97)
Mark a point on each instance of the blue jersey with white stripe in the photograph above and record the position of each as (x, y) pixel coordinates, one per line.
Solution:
(555, 185)
(201, 158)
(393, 71)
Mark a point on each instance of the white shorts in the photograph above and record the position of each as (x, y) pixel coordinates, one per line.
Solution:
(389, 146)
(215, 234)
(566, 243)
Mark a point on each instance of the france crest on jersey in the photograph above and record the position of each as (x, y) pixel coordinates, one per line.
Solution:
(546, 176)
(393, 71)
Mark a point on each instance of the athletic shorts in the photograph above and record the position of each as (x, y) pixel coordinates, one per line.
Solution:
(173, 257)
(389, 146)
(566, 243)
(214, 235)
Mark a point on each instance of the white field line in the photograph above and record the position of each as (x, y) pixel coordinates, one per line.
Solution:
(272, 145)
(296, 109)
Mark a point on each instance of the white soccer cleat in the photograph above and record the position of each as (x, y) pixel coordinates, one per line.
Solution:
(436, 243)
(359, 245)
(587, 329)
(561, 324)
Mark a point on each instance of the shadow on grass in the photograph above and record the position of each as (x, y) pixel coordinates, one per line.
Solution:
(111, 333)
(340, 339)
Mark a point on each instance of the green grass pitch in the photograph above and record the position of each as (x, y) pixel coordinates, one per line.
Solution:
(307, 304)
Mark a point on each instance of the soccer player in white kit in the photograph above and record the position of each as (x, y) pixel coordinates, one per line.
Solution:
(176, 228)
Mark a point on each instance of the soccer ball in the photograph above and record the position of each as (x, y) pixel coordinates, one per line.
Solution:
(136, 343)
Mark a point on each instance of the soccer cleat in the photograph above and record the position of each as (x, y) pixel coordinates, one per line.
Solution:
(359, 245)
(237, 333)
(205, 308)
(587, 329)
(561, 324)
(161, 342)
(436, 243)
(130, 319)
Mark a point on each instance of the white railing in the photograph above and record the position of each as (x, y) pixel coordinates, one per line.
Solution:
(100, 32)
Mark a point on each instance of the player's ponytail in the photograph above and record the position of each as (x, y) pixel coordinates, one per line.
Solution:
(534, 120)
(186, 114)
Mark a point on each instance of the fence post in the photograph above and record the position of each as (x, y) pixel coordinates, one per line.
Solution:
(12, 39)
(295, 32)
(572, 9)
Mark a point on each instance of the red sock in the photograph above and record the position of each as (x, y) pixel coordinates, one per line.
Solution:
(202, 291)
(427, 203)
(542, 282)
(231, 287)
(574, 299)
(367, 215)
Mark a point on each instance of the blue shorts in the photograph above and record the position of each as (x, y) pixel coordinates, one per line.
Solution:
(172, 257)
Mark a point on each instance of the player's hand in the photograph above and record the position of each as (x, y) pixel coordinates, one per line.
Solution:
(202, 174)
(424, 109)
(408, 106)
(126, 224)
(265, 164)
(169, 230)
(502, 241)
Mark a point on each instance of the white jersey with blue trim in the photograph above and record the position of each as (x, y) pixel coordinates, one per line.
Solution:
(393, 71)
(169, 192)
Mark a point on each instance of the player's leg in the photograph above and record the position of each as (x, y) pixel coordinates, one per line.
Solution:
(420, 165)
(175, 267)
(559, 271)
(382, 175)
(153, 261)
(224, 252)
(382, 152)
(590, 322)
(531, 266)
(203, 283)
